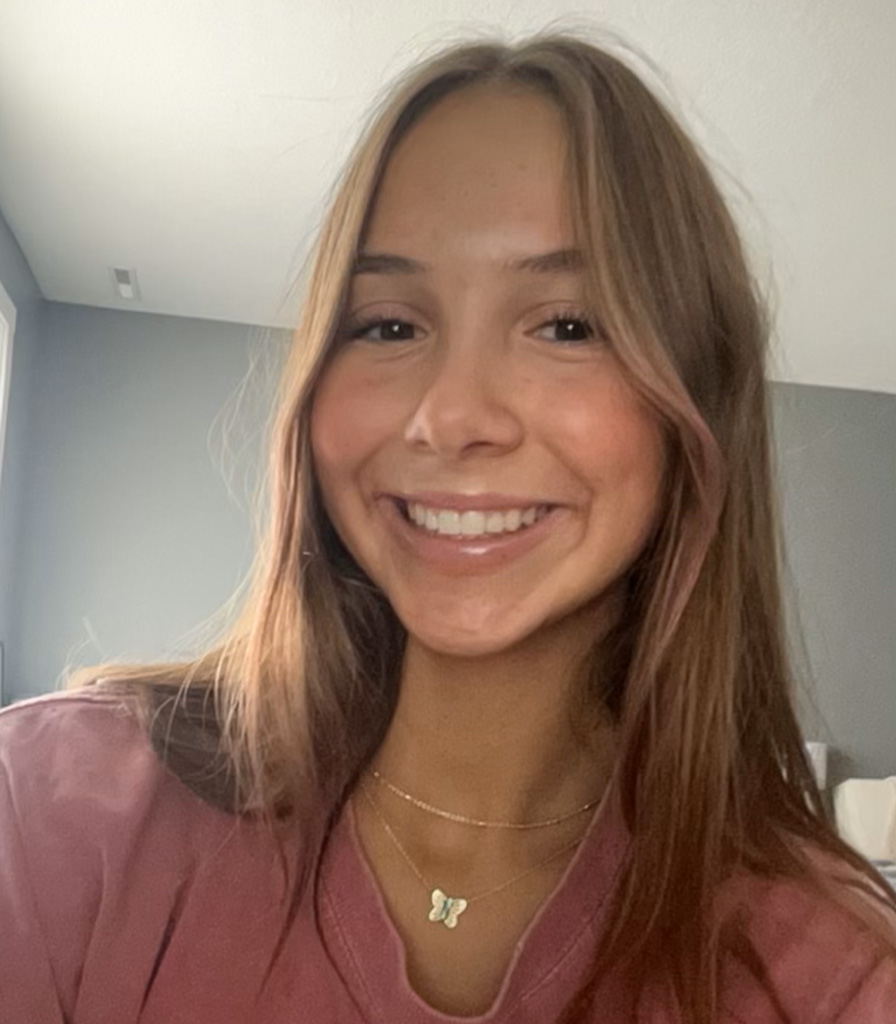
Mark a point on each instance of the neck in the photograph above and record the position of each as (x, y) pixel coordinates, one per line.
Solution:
(498, 737)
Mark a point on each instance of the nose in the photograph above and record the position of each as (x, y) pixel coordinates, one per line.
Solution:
(466, 405)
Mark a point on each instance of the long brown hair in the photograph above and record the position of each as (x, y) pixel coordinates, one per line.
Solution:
(712, 773)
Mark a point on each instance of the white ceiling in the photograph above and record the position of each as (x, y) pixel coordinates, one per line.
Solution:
(194, 140)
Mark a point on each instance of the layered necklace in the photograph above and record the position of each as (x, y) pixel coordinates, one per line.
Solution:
(445, 909)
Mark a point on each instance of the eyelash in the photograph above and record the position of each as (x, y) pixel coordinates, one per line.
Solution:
(355, 332)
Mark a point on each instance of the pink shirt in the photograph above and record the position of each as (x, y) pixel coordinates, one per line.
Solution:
(124, 898)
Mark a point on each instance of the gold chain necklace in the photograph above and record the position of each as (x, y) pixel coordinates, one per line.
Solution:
(447, 909)
(460, 819)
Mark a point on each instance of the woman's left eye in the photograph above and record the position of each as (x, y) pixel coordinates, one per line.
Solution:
(568, 330)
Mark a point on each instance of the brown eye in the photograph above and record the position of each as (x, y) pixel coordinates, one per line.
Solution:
(568, 330)
(382, 329)
(572, 330)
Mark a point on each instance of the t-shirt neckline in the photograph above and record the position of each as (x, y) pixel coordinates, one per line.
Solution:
(551, 956)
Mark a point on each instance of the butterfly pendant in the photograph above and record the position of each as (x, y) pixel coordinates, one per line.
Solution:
(446, 909)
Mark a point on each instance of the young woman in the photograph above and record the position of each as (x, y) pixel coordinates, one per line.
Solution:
(505, 731)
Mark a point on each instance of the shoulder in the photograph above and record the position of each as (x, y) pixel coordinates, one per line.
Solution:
(808, 956)
(67, 714)
(96, 839)
(80, 779)
(67, 738)
(71, 751)
(83, 758)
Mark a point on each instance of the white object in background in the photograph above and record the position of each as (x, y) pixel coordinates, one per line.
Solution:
(7, 330)
(818, 755)
(865, 810)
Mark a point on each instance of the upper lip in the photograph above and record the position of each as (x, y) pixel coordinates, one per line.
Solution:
(467, 502)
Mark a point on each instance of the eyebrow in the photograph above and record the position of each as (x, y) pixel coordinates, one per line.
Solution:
(560, 261)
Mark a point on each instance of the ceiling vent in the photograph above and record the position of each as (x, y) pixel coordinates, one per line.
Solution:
(125, 282)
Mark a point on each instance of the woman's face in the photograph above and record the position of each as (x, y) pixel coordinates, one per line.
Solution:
(476, 443)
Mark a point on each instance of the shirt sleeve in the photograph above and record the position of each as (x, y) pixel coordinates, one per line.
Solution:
(811, 960)
(28, 990)
(99, 851)
(875, 1000)
(75, 777)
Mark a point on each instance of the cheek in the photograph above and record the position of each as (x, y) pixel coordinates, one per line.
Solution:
(346, 418)
(333, 445)
(337, 438)
(614, 444)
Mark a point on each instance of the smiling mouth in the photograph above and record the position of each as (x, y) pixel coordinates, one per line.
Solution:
(443, 522)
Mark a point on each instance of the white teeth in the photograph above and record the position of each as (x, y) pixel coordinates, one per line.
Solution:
(494, 523)
(472, 523)
(450, 523)
(513, 519)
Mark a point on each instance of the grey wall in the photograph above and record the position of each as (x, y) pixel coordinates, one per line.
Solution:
(17, 279)
(130, 537)
(837, 464)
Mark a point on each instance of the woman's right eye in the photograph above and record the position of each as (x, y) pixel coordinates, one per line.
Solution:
(381, 329)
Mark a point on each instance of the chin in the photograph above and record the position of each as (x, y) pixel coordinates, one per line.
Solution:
(463, 646)
(466, 639)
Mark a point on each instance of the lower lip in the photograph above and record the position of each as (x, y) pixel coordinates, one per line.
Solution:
(463, 555)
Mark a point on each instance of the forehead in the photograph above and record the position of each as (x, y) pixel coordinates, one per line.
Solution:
(485, 159)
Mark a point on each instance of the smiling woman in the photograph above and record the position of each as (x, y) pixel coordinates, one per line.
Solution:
(504, 731)
(472, 384)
